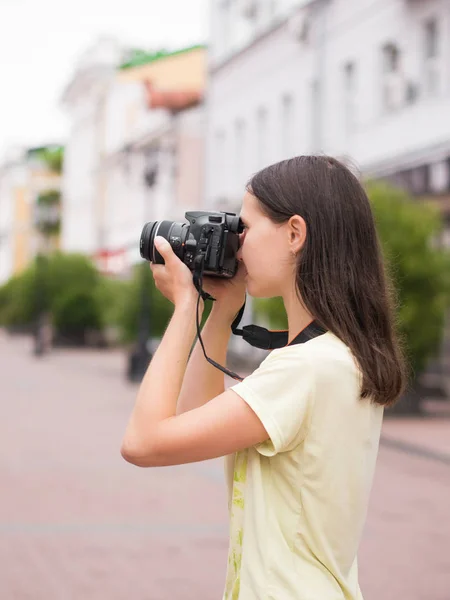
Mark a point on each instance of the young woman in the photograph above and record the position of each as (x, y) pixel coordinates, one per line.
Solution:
(301, 433)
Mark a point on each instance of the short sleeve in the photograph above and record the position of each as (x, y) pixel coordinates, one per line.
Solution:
(281, 393)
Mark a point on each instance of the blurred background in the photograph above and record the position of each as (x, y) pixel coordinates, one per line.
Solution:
(115, 114)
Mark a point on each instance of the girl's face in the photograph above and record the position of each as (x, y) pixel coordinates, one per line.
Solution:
(267, 250)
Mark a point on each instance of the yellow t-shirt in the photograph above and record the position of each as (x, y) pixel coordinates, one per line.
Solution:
(298, 502)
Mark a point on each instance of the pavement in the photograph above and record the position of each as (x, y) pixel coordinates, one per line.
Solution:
(79, 523)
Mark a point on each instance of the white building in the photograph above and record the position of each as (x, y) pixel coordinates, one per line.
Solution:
(12, 179)
(365, 80)
(135, 151)
(85, 100)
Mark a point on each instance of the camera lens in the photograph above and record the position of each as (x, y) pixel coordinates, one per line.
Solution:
(145, 247)
(175, 233)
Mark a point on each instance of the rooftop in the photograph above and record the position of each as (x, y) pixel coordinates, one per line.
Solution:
(142, 57)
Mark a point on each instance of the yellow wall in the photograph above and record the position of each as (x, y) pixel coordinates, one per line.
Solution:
(22, 232)
(25, 235)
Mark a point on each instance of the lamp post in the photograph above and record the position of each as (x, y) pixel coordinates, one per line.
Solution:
(47, 218)
(39, 344)
(140, 355)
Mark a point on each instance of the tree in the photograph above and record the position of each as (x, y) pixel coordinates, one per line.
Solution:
(419, 268)
(53, 157)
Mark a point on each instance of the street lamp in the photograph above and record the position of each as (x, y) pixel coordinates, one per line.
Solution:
(46, 219)
(140, 356)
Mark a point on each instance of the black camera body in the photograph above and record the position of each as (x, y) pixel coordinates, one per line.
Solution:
(210, 236)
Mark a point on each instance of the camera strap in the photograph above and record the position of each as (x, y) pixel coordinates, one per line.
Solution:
(266, 339)
(255, 335)
(198, 277)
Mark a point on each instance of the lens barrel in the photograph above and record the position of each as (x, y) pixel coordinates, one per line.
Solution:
(145, 247)
(172, 231)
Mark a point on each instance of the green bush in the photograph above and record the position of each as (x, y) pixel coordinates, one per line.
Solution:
(111, 295)
(71, 271)
(76, 312)
(69, 287)
(44, 285)
(18, 301)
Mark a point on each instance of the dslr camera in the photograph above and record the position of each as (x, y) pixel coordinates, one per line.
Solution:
(211, 237)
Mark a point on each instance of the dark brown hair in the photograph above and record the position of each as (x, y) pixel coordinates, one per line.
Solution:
(341, 276)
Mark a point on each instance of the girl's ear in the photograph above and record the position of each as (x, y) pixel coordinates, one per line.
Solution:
(297, 233)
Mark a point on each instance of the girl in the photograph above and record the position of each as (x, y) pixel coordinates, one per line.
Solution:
(301, 433)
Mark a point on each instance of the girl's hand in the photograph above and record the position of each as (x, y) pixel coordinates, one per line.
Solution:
(174, 278)
(229, 293)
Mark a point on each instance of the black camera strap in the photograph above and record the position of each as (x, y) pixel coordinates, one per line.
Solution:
(255, 335)
(266, 339)
(199, 263)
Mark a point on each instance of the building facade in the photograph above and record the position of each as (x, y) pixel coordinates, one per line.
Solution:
(135, 152)
(365, 81)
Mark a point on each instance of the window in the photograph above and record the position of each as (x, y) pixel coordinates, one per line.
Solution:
(261, 137)
(316, 124)
(448, 173)
(393, 90)
(224, 24)
(431, 39)
(391, 58)
(249, 8)
(239, 154)
(287, 126)
(431, 55)
(420, 180)
(221, 165)
(349, 96)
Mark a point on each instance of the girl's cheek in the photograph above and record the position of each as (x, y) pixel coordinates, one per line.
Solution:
(244, 239)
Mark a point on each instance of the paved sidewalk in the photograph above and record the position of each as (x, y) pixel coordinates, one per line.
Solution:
(429, 434)
(78, 523)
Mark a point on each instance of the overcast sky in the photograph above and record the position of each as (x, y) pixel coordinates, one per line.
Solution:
(41, 40)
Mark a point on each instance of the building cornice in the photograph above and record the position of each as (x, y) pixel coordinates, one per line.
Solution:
(408, 160)
(275, 27)
(256, 41)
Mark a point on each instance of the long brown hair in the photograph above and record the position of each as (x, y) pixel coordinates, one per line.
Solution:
(341, 276)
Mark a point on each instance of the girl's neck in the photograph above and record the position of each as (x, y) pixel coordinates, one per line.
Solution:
(298, 316)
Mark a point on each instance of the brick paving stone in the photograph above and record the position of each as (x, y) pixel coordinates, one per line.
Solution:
(78, 523)
(429, 432)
